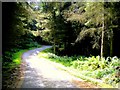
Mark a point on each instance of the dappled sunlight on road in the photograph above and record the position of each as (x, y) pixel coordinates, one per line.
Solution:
(41, 73)
(47, 69)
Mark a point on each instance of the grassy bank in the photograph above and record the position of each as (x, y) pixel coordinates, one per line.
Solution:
(16, 59)
(89, 68)
(11, 70)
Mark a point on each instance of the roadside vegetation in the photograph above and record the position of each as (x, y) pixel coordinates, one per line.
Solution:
(16, 40)
(12, 70)
(105, 69)
(84, 35)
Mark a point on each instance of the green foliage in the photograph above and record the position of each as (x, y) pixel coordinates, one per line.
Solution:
(17, 57)
(16, 35)
(77, 24)
(71, 28)
(103, 69)
(10, 67)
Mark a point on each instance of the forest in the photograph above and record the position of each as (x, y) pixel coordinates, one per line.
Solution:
(83, 35)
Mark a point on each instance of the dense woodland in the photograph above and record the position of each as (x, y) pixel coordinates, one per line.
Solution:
(72, 28)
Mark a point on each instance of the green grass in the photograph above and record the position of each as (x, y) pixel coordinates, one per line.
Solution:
(92, 67)
(16, 60)
(17, 56)
(11, 66)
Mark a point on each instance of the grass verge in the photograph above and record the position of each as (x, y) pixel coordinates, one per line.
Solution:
(11, 70)
(72, 65)
(16, 59)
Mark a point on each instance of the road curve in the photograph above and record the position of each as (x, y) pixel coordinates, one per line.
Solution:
(41, 73)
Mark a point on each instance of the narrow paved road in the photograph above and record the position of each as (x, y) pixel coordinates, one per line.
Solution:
(41, 73)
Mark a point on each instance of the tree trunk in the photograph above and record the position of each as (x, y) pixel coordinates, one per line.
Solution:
(54, 47)
(102, 37)
(111, 44)
(102, 41)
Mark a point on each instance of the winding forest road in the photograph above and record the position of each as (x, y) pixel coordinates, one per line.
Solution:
(41, 73)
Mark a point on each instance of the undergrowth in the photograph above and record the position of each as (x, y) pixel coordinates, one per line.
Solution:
(105, 69)
(10, 64)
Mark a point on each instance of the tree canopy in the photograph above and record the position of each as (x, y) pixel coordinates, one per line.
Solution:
(89, 26)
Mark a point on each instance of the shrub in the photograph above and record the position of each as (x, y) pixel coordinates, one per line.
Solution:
(104, 69)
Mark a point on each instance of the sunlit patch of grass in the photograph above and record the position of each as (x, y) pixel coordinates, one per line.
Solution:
(11, 68)
(17, 57)
(89, 66)
(45, 53)
(42, 54)
(16, 60)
